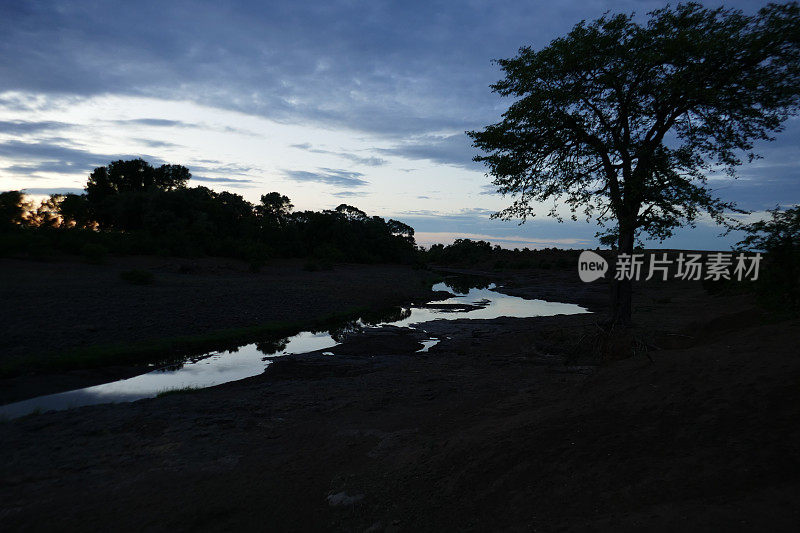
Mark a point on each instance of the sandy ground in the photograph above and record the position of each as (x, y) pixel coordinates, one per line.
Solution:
(504, 426)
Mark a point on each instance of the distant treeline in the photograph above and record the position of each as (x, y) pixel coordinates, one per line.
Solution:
(469, 253)
(131, 207)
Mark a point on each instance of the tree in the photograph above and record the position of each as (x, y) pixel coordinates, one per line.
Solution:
(779, 236)
(46, 214)
(399, 228)
(12, 209)
(780, 232)
(133, 176)
(136, 175)
(274, 209)
(351, 213)
(622, 122)
(74, 209)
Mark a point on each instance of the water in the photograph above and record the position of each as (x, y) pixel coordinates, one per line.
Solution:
(215, 368)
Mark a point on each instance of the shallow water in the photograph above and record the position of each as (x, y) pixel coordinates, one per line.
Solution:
(215, 368)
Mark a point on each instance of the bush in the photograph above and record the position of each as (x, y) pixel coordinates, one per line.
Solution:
(778, 286)
(137, 277)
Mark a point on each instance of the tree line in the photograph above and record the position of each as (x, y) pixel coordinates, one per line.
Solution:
(132, 207)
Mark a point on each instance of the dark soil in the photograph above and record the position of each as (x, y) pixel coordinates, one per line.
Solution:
(52, 308)
(510, 424)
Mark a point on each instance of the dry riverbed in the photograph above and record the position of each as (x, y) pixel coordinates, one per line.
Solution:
(505, 424)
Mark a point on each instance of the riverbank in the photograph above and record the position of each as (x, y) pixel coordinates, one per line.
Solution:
(67, 324)
(499, 426)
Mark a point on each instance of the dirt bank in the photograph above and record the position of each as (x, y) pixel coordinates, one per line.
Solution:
(490, 430)
(60, 306)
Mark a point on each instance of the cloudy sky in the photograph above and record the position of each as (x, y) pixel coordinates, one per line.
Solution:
(361, 102)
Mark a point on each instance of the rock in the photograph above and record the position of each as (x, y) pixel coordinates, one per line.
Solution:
(342, 498)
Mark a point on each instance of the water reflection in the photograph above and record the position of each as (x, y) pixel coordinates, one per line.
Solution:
(462, 284)
(475, 299)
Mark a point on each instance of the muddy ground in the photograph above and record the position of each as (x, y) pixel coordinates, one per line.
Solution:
(510, 424)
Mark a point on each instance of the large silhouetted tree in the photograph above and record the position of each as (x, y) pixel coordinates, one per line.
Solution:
(129, 177)
(622, 121)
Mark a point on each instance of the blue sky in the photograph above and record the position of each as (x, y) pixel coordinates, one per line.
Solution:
(327, 102)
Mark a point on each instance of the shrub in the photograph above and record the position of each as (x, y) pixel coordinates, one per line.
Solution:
(778, 287)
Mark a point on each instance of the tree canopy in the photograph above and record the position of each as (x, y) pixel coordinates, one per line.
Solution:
(622, 122)
(136, 208)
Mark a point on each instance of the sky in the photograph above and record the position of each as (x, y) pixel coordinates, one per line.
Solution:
(327, 102)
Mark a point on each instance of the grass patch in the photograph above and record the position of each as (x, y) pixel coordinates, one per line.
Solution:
(180, 390)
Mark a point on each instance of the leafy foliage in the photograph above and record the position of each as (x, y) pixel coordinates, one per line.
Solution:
(622, 122)
(12, 209)
(781, 232)
(779, 237)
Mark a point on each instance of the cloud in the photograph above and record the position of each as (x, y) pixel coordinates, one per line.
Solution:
(54, 155)
(52, 190)
(56, 167)
(24, 127)
(368, 161)
(388, 68)
(167, 123)
(157, 122)
(215, 166)
(393, 68)
(453, 150)
(233, 182)
(51, 155)
(475, 211)
(349, 194)
(153, 143)
(44, 156)
(469, 213)
(329, 176)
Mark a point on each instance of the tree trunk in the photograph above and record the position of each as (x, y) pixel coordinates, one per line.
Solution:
(622, 290)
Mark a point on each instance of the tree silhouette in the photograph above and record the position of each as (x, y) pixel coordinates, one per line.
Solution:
(12, 209)
(132, 207)
(74, 209)
(274, 209)
(622, 122)
(351, 213)
(129, 178)
(779, 236)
